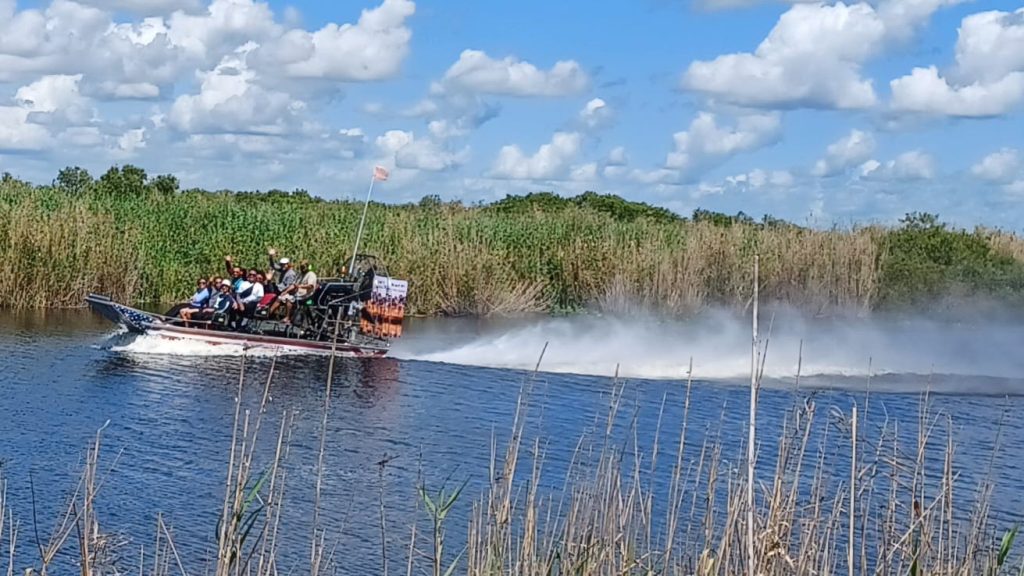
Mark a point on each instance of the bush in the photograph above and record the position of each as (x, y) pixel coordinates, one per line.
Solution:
(924, 260)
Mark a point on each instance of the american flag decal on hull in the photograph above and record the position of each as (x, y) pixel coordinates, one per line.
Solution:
(137, 318)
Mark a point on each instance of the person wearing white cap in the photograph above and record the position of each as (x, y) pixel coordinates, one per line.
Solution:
(284, 270)
(219, 303)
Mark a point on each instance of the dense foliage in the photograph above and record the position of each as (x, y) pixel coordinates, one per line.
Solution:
(144, 239)
(924, 260)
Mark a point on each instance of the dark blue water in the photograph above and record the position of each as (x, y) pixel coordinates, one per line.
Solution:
(167, 424)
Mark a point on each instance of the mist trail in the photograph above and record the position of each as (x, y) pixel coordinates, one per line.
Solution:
(908, 351)
(720, 345)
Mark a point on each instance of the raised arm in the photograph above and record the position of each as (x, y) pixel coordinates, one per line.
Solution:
(272, 257)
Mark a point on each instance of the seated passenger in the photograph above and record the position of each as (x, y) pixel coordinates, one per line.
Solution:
(198, 300)
(285, 280)
(251, 294)
(281, 272)
(269, 295)
(236, 273)
(219, 303)
(300, 291)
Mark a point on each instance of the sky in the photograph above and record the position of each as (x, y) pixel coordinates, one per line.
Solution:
(822, 113)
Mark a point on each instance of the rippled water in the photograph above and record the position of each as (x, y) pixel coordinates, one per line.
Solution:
(434, 407)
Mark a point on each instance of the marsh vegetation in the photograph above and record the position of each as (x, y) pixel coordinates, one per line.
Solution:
(143, 240)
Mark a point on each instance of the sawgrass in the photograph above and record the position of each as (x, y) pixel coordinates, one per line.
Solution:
(144, 242)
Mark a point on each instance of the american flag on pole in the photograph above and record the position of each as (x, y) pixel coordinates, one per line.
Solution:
(379, 173)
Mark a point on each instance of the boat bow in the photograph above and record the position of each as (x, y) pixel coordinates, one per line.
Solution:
(134, 320)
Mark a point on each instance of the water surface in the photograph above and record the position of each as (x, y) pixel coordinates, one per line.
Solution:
(434, 407)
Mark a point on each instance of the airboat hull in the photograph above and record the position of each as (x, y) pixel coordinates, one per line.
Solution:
(140, 322)
(264, 342)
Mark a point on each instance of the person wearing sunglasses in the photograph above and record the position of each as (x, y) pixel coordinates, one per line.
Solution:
(197, 302)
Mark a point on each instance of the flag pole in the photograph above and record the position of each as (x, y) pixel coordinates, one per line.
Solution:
(352, 265)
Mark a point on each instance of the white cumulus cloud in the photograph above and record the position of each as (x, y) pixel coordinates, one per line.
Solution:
(372, 49)
(550, 162)
(130, 142)
(924, 90)
(584, 173)
(145, 7)
(57, 99)
(706, 144)
(759, 178)
(475, 71)
(596, 114)
(813, 57)
(617, 157)
(987, 78)
(851, 150)
(418, 154)
(912, 165)
(457, 116)
(1001, 166)
(145, 58)
(230, 100)
(18, 134)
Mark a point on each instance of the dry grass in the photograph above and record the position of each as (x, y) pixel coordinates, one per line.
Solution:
(459, 260)
(608, 518)
(1007, 244)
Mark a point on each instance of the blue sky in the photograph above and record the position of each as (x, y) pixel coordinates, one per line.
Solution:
(822, 113)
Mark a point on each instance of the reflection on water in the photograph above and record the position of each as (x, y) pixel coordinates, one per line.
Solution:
(170, 418)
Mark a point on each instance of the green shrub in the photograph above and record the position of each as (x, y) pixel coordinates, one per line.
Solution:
(924, 260)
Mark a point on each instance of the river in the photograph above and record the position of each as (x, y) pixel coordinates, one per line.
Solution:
(434, 406)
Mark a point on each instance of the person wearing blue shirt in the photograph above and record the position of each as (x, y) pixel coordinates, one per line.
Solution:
(202, 295)
(198, 300)
(219, 303)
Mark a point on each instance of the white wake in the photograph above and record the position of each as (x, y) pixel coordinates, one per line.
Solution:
(150, 344)
(720, 347)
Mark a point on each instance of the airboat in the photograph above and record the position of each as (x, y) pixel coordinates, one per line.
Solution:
(357, 314)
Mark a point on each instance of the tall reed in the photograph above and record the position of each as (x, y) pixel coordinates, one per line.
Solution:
(56, 247)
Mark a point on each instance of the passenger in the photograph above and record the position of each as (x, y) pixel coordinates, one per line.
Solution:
(305, 287)
(241, 287)
(242, 297)
(284, 271)
(252, 294)
(297, 292)
(286, 285)
(199, 299)
(308, 282)
(269, 295)
(220, 303)
(267, 279)
(236, 273)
